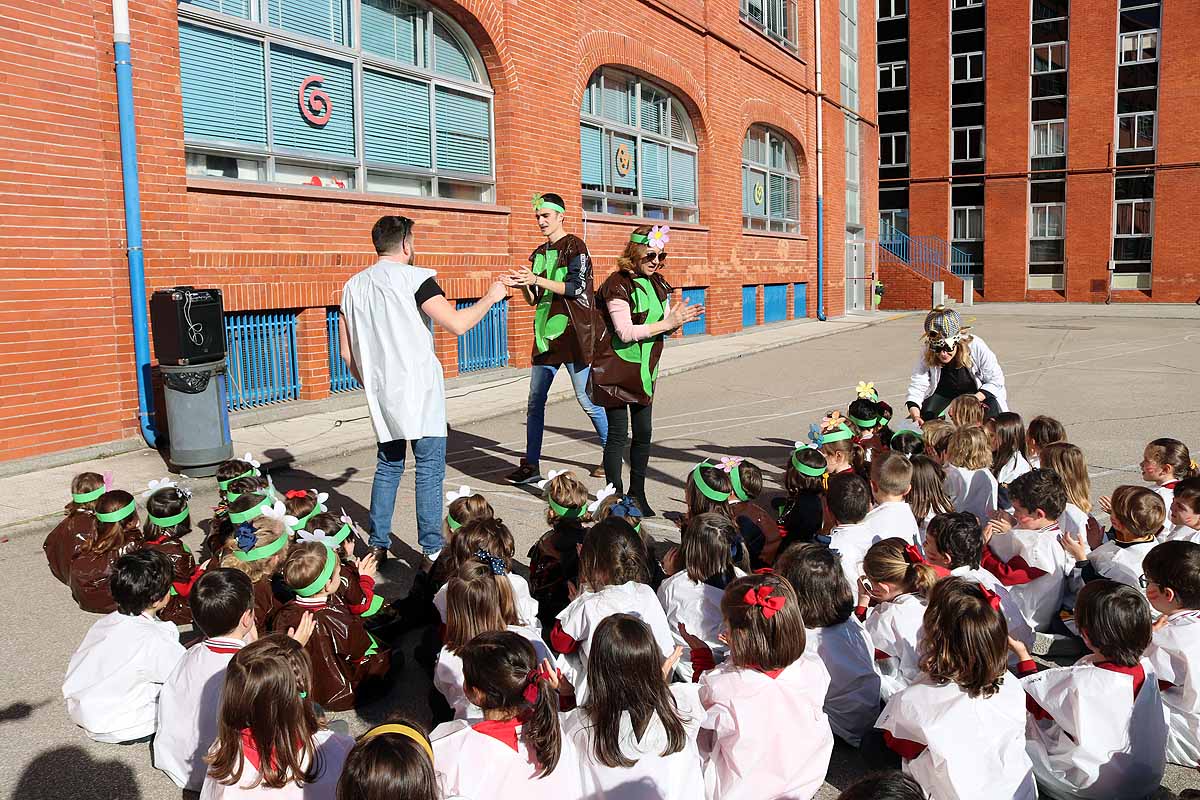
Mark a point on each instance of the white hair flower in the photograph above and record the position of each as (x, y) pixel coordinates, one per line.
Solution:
(463, 491)
(162, 483)
(317, 535)
(608, 491)
(551, 475)
(250, 460)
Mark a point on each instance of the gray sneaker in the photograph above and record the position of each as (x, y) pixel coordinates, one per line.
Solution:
(523, 474)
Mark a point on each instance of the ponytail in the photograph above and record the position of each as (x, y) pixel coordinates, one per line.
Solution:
(900, 563)
(542, 732)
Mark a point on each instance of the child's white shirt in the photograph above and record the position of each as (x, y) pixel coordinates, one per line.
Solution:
(1035, 462)
(187, 711)
(332, 749)
(974, 746)
(1018, 628)
(852, 701)
(448, 674)
(1041, 598)
(1016, 466)
(972, 490)
(527, 607)
(1122, 564)
(114, 678)
(1180, 533)
(477, 766)
(895, 518)
(1074, 522)
(698, 607)
(896, 628)
(1167, 492)
(770, 736)
(851, 542)
(1101, 742)
(678, 776)
(1174, 653)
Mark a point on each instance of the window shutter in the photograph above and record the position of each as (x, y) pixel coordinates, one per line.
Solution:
(654, 110)
(463, 133)
(320, 19)
(629, 179)
(392, 30)
(224, 90)
(746, 189)
(778, 196)
(591, 156)
(395, 121)
(654, 170)
(234, 8)
(289, 69)
(616, 100)
(449, 58)
(683, 177)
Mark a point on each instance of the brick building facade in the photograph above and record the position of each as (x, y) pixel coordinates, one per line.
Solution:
(1049, 141)
(455, 114)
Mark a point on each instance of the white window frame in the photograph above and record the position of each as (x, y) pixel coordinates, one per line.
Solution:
(891, 4)
(968, 130)
(1149, 202)
(1049, 47)
(1137, 36)
(1033, 137)
(777, 20)
(888, 142)
(955, 5)
(891, 67)
(1036, 225)
(1136, 116)
(968, 56)
(766, 222)
(970, 211)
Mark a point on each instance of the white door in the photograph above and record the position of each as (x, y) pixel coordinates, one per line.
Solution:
(856, 275)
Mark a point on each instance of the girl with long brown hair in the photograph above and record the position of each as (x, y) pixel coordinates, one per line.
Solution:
(117, 533)
(65, 542)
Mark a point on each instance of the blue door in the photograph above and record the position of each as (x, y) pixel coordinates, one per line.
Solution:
(749, 306)
(775, 302)
(697, 326)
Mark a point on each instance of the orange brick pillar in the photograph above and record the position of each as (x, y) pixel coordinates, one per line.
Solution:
(312, 353)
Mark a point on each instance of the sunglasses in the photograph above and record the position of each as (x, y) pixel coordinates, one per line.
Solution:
(653, 256)
(941, 346)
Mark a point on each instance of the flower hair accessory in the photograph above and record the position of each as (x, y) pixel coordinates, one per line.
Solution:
(729, 463)
(762, 597)
(495, 563)
(295, 494)
(608, 491)
(246, 536)
(832, 420)
(627, 508)
(912, 555)
(278, 512)
(991, 598)
(540, 202)
(463, 491)
(866, 390)
(108, 481)
(162, 483)
(317, 535)
(658, 238)
(250, 460)
(551, 475)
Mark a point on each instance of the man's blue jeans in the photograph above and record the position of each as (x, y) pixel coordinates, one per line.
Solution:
(430, 454)
(540, 379)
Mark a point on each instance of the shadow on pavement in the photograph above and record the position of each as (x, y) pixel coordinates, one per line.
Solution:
(14, 712)
(55, 774)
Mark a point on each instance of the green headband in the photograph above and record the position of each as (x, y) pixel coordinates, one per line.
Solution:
(452, 523)
(317, 509)
(238, 517)
(250, 473)
(231, 496)
(119, 514)
(87, 497)
(259, 553)
(866, 423)
(540, 202)
(639, 238)
(341, 535)
(322, 579)
(167, 522)
(735, 479)
(838, 434)
(805, 469)
(705, 489)
(563, 511)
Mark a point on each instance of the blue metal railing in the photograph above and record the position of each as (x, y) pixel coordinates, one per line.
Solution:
(926, 255)
(961, 262)
(486, 345)
(340, 378)
(261, 348)
(698, 325)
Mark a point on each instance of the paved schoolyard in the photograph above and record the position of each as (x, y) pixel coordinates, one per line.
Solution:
(1116, 377)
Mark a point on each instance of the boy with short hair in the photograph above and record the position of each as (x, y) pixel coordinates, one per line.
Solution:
(891, 481)
(1137, 517)
(1023, 550)
(849, 499)
(1172, 578)
(114, 678)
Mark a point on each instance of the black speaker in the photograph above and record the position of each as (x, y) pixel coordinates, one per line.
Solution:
(188, 325)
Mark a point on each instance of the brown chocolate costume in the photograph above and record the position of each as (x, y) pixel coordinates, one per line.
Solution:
(759, 529)
(344, 656)
(625, 373)
(564, 327)
(183, 574)
(90, 573)
(63, 544)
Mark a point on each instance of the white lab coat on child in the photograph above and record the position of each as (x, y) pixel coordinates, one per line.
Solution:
(1041, 598)
(448, 674)
(1122, 563)
(1018, 628)
(1075, 522)
(770, 736)
(527, 607)
(477, 766)
(974, 746)
(896, 629)
(332, 749)
(972, 490)
(1101, 742)
(698, 607)
(187, 711)
(852, 701)
(1016, 466)
(1174, 653)
(677, 776)
(114, 678)
(851, 542)
(895, 519)
(1180, 532)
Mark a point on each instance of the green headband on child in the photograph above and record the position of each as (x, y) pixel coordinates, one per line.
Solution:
(805, 469)
(563, 511)
(866, 423)
(735, 480)
(705, 489)
(639, 238)
(238, 517)
(838, 434)
(167, 522)
(452, 523)
(87, 497)
(264, 551)
(250, 473)
(540, 202)
(323, 579)
(317, 509)
(341, 535)
(119, 514)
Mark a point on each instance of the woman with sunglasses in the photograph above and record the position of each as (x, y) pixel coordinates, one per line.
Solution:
(953, 363)
(638, 316)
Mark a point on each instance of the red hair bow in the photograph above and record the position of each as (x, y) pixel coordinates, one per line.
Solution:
(912, 555)
(991, 597)
(762, 598)
(531, 684)
(295, 494)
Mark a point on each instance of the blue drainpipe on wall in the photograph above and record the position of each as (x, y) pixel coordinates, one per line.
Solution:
(133, 218)
(820, 99)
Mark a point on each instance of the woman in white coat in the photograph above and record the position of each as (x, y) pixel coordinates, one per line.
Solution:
(952, 363)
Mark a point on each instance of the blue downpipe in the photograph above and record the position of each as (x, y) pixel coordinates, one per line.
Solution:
(820, 258)
(133, 235)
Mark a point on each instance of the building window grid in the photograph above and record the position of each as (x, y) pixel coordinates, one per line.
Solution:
(1049, 58)
(967, 143)
(780, 223)
(893, 75)
(1049, 138)
(893, 149)
(775, 19)
(1133, 219)
(268, 161)
(1047, 220)
(966, 67)
(968, 223)
(602, 201)
(892, 9)
(1136, 131)
(1138, 47)
(959, 4)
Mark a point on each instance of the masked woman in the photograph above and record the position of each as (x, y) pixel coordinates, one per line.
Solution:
(952, 363)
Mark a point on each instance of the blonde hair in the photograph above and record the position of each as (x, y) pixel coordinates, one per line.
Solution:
(567, 491)
(891, 561)
(1067, 460)
(965, 410)
(969, 449)
(1139, 511)
(962, 355)
(266, 531)
(937, 433)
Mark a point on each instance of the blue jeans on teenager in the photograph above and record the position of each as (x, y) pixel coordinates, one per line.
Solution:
(539, 388)
(430, 454)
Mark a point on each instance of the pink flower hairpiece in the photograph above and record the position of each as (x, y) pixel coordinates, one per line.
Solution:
(658, 237)
(729, 463)
(832, 420)
(108, 481)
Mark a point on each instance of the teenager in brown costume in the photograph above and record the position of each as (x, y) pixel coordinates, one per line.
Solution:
(558, 283)
(638, 316)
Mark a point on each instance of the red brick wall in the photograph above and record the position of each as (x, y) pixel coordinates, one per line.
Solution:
(65, 319)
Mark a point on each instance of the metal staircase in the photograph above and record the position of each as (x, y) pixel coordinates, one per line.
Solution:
(928, 256)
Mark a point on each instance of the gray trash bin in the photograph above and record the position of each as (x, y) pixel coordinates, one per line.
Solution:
(197, 417)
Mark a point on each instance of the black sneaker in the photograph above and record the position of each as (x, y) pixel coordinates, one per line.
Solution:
(523, 474)
(647, 511)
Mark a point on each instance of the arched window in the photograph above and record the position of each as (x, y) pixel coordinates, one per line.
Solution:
(770, 182)
(375, 95)
(637, 149)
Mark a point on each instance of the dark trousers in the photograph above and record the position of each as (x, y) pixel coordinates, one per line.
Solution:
(935, 404)
(619, 421)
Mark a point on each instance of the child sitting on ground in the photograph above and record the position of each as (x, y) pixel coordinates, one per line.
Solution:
(1137, 517)
(1165, 462)
(837, 442)
(1041, 431)
(849, 500)
(462, 506)
(491, 537)
(927, 497)
(897, 579)
(78, 526)
(554, 558)
(1185, 511)
(1067, 461)
(115, 675)
(969, 481)
(870, 417)
(802, 513)
(358, 575)
(117, 533)
(757, 527)
(966, 411)
(168, 520)
(891, 481)
(390, 761)
(1173, 588)
(1007, 434)
(1097, 729)
(259, 547)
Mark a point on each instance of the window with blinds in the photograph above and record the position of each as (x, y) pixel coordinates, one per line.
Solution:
(770, 182)
(637, 150)
(376, 95)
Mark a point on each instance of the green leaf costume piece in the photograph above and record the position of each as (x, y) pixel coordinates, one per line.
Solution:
(645, 300)
(547, 328)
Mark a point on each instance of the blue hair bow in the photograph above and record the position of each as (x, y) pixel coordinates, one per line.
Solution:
(625, 507)
(735, 548)
(496, 563)
(247, 537)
